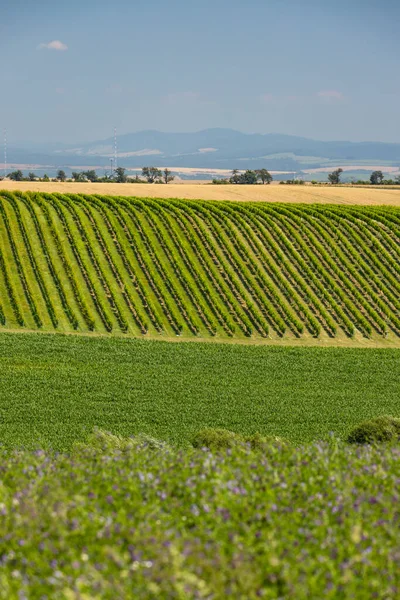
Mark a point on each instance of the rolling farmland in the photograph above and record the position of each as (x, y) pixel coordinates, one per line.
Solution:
(199, 269)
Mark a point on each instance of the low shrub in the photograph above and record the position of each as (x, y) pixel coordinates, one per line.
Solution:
(222, 439)
(216, 439)
(379, 429)
(108, 442)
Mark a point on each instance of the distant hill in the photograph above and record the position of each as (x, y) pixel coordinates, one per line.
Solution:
(211, 148)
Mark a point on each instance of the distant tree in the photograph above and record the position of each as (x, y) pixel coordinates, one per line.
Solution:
(16, 175)
(167, 176)
(376, 178)
(264, 175)
(120, 175)
(334, 177)
(78, 176)
(90, 175)
(235, 177)
(46, 177)
(397, 179)
(152, 174)
(61, 176)
(31, 176)
(248, 177)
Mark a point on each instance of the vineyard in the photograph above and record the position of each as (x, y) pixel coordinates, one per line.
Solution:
(198, 268)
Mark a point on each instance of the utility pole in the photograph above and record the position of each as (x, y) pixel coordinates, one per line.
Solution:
(5, 153)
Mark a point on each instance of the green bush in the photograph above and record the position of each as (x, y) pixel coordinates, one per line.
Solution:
(259, 442)
(222, 439)
(108, 442)
(379, 429)
(216, 439)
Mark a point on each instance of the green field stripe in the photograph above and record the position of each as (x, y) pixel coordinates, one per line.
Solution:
(17, 293)
(349, 224)
(382, 240)
(339, 298)
(148, 281)
(227, 278)
(64, 312)
(262, 288)
(316, 292)
(274, 244)
(153, 214)
(79, 250)
(347, 284)
(110, 261)
(210, 260)
(9, 289)
(206, 257)
(230, 269)
(20, 271)
(386, 215)
(115, 235)
(41, 293)
(354, 264)
(184, 247)
(305, 259)
(248, 273)
(377, 255)
(222, 234)
(353, 252)
(266, 274)
(276, 266)
(86, 232)
(156, 277)
(60, 244)
(161, 264)
(72, 254)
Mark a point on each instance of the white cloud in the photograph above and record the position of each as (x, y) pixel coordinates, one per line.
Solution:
(330, 95)
(54, 45)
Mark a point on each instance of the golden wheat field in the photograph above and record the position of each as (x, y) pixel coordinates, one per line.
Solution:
(307, 194)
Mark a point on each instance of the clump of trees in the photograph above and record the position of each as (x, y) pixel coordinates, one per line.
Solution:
(155, 175)
(249, 177)
(16, 175)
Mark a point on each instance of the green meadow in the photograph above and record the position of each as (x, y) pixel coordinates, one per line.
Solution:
(56, 388)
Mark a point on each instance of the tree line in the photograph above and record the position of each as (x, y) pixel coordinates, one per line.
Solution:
(249, 177)
(376, 178)
(164, 176)
(118, 175)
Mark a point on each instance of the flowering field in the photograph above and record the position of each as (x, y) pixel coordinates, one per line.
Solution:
(318, 521)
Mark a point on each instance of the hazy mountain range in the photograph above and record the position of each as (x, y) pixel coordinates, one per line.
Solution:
(211, 149)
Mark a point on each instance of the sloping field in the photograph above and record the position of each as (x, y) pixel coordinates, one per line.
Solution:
(242, 193)
(199, 269)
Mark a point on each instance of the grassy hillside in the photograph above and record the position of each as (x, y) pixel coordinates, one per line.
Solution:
(208, 269)
(56, 388)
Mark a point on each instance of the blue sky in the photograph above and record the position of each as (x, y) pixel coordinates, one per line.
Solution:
(71, 70)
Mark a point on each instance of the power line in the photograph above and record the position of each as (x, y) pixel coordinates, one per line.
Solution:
(115, 148)
(5, 153)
